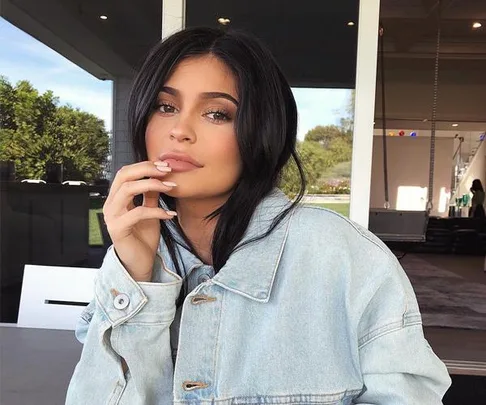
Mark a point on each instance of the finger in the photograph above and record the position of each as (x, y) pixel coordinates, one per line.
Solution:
(134, 172)
(131, 218)
(151, 199)
(123, 199)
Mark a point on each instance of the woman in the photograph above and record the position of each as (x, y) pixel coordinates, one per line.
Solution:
(477, 201)
(218, 289)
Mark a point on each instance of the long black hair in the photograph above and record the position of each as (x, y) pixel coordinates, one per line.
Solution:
(265, 126)
(477, 185)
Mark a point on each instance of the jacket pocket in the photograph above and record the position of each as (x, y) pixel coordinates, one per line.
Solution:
(339, 398)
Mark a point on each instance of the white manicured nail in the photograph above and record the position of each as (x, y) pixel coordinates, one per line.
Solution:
(163, 169)
(160, 163)
(169, 184)
(171, 213)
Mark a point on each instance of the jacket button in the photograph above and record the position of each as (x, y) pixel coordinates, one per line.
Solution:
(121, 301)
(193, 385)
(200, 299)
(203, 278)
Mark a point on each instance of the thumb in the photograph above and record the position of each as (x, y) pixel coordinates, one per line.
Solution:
(151, 199)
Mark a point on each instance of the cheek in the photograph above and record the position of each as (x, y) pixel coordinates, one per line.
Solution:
(228, 155)
(153, 140)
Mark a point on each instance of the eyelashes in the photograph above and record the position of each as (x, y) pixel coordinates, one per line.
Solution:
(216, 115)
(163, 107)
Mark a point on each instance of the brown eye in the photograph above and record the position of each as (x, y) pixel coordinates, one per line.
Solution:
(166, 108)
(218, 116)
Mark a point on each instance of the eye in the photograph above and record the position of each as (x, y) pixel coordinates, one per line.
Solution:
(166, 108)
(218, 116)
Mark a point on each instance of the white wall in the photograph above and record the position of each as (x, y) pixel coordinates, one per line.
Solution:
(408, 166)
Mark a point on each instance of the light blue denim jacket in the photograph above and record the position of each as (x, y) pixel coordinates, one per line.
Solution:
(318, 312)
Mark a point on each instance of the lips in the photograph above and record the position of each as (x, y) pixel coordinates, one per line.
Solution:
(180, 162)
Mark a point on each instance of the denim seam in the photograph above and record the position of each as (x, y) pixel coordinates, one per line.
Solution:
(292, 399)
(353, 225)
(124, 318)
(160, 323)
(87, 314)
(385, 330)
(265, 299)
(218, 339)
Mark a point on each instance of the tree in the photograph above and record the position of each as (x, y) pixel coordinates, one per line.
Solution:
(323, 149)
(314, 159)
(340, 149)
(347, 123)
(323, 134)
(35, 131)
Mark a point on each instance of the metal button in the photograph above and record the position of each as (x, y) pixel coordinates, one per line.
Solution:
(200, 299)
(121, 301)
(193, 385)
(203, 278)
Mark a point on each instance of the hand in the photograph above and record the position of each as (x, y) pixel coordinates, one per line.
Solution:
(135, 231)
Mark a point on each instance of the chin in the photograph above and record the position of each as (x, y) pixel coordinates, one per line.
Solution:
(183, 192)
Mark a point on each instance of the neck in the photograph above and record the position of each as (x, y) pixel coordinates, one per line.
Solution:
(192, 215)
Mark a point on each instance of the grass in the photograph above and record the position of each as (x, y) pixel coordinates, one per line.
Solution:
(95, 206)
(341, 208)
(94, 228)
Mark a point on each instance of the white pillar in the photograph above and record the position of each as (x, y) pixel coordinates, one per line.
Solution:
(364, 110)
(173, 16)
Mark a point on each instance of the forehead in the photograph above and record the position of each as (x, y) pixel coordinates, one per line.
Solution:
(203, 74)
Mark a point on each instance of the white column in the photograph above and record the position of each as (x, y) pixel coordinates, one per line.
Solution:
(121, 147)
(364, 110)
(173, 16)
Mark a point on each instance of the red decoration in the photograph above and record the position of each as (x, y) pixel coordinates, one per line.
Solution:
(401, 133)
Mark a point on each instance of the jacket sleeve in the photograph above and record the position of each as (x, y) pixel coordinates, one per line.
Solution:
(126, 322)
(397, 364)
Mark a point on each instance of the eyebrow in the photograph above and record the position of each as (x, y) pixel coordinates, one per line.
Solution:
(206, 95)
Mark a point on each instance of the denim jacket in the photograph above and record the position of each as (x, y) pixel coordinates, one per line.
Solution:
(318, 312)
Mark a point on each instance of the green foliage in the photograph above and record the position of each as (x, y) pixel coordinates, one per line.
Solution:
(326, 155)
(314, 158)
(340, 187)
(323, 148)
(341, 171)
(324, 135)
(36, 131)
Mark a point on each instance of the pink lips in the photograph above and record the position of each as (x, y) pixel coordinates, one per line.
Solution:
(180, 162)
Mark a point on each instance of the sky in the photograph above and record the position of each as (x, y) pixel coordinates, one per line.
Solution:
(22, 57)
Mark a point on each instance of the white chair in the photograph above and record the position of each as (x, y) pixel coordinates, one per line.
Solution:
(53, 297)
(33, 181)
(74, 183)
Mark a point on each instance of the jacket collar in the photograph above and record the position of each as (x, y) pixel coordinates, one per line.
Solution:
(250, 271)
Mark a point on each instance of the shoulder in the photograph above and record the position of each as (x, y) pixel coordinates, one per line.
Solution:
(325, 224)
(324, 237)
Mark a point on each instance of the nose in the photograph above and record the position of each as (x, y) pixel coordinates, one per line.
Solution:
(183, 132)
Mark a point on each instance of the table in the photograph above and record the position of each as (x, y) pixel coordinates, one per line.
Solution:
(36, 365)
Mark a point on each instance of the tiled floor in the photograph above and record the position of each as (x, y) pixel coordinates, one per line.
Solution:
(461, 344)
(469, 267)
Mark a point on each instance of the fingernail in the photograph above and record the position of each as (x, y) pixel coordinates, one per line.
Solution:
(163, 169)
(169, 184)
(160, 163)
(171, 213)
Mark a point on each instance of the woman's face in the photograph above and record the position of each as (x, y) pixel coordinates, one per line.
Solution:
(193, 129)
